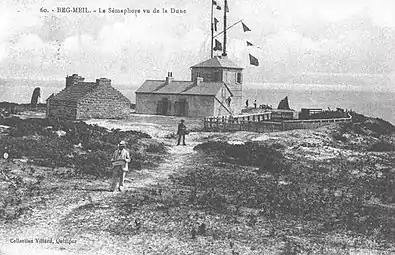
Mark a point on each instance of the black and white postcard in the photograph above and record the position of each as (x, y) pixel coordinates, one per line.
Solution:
(216, 127)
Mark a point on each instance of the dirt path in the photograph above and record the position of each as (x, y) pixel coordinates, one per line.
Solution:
(69, 195)
(178, 156)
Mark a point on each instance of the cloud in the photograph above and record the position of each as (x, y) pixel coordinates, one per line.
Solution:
(295, 36)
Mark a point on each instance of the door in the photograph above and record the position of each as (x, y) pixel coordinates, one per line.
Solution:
(163, 106)
(181, 107)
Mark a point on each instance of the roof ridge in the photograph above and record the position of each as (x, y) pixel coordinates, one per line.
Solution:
(165, 80)
(217, 62)
(75, 92)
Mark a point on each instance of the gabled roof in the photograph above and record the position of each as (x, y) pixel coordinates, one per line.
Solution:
(217, 61)
(75, 92)
(180, 87)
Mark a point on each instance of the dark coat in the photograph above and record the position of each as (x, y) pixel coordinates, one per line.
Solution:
(182, 129)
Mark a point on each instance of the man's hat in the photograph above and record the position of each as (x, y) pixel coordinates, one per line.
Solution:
(122, 143)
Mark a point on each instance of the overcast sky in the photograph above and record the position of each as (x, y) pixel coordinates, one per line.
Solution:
(295, 36)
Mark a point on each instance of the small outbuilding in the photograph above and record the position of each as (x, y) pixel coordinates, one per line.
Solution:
(85, 100)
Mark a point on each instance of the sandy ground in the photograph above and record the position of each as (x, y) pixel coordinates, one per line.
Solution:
(45, 222)
(70, 196)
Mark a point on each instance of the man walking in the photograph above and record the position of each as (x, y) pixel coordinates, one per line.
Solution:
(119, 160)
(181, 132)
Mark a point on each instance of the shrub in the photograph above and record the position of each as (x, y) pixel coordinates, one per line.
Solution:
(382, 146)
(44, 151)
(251, 153)
(367, 126)
(98, 145)
(94, 163)
(31, 138)
(337, 198)
(339, 137)
(156, 148)
(171, 136)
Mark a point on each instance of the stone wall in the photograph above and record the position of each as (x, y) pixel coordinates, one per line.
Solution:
(147, 103)
(236, 88)
(103, 102)
(100, 101)
(229, 76)
(220, 105)
(61, 109)
(74, 80)
(208, 74)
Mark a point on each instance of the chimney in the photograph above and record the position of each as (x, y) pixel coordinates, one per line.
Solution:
(103, 82)
(74, 80)
(169, 78)
(199, 80)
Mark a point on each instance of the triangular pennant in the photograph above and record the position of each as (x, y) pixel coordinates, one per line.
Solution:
(245, 28)
(249, 44)
(226, 6)
(253, 60)
(218, 45)
(216, 4)
(215, 24)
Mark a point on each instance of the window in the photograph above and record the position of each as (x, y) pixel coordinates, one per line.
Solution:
(228, 100)
(238, 77)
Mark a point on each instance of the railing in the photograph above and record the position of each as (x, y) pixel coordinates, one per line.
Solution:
(261, 123)
(255, 126)
(240, 118)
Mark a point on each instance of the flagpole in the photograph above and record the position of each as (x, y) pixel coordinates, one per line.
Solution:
(225, 9)
(228, 28)
(212, 29)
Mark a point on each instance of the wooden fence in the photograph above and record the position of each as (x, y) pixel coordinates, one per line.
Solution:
(262, 124)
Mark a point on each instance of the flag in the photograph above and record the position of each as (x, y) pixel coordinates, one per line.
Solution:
(253, 60)
(226, 6)
(216, 4)
(215, 24)
(245, 28)
(218, 45)
(249, 44)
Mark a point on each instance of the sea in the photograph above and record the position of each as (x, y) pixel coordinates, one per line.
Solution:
(373, 101)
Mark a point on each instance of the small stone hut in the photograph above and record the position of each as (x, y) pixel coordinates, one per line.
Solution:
(85, 100)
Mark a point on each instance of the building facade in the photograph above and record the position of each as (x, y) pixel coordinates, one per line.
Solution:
(215, 89)
(85, 100)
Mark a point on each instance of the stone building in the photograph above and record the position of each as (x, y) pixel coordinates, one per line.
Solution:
(84, 100)
(215, 89)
